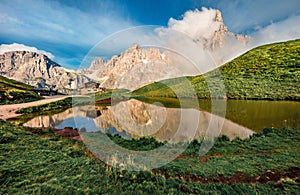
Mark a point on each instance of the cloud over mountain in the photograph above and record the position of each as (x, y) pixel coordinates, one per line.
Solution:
(20, 47)
(207, 28)
(197, 23)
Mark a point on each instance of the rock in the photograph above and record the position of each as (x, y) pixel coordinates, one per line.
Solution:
(131, 64)
(97, 64)
(32, 68)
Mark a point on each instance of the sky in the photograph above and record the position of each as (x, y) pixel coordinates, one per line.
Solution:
(68, 29)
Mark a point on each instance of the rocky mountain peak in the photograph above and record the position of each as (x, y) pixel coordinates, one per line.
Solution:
(219, 17)
(133, 47)
(108, 73)
(31, 67)
(221, 35)
(97, 63)
(137, 54)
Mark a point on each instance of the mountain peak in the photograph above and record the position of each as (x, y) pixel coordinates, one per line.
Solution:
(219, 17)
(29, 67)
(109, 73)
(134, 46)
(14, 47)
(206, 27)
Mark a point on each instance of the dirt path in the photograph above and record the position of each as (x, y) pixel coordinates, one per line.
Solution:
(8, 111)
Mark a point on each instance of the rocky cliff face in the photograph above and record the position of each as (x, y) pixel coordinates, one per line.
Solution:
(31, 68)
(223, 44)
(219, 36)
(133, 68)
(210, 30)
(96, 64)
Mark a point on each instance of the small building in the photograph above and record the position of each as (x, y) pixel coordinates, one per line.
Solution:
(45, 91)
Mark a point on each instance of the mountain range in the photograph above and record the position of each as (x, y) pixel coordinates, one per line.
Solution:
(139, 66)
(132, 69)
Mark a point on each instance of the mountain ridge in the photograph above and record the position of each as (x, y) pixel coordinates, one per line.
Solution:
(37, 69)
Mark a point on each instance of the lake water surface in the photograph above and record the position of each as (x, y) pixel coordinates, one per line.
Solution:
(136, 119)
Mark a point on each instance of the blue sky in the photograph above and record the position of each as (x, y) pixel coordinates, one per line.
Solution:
(70, 28)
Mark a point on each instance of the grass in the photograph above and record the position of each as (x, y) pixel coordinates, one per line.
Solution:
(38, 161)
(12, 92)
(112, 93)
(269, 72)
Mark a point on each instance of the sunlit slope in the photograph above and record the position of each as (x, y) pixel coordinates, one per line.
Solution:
(12, 91)
(266, 72)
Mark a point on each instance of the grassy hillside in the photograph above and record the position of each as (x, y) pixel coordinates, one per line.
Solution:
(266, 72)
(12, 91)
(35, 161)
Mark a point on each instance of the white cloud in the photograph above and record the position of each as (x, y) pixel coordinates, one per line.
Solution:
(243, 15)
(197, 24)
(288, 29)
(206, 28)
(202, 25)
(56, 22)
(20, 47)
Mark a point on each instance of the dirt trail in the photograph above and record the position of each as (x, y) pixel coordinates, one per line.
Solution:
(8, 111)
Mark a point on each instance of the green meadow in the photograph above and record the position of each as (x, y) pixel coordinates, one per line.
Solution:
(35, 161)
(12, 92)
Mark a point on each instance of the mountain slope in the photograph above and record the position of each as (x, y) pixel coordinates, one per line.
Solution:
(33, 68)
(266, 72)
(12, 91)
(133, 68)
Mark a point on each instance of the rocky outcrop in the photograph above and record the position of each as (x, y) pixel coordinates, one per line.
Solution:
(32, 68)
(134, 68)
(223, 44)
(96, 65)
(210, 31)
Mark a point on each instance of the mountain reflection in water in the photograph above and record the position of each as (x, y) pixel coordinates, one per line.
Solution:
(137, 119)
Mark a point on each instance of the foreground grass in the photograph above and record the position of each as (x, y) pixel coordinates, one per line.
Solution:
(269, 72)
(12, 92)
(38, 161)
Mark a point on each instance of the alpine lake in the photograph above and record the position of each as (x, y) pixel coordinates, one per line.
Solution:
(172, 122)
